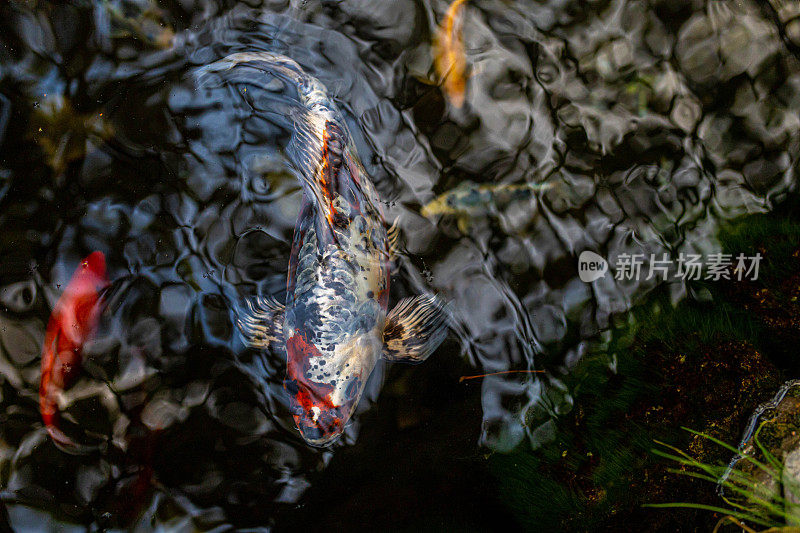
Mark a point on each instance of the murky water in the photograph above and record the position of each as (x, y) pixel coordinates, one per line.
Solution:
(643, 125)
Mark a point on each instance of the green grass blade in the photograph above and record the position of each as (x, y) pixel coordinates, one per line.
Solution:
(736, 514)
(757, 463)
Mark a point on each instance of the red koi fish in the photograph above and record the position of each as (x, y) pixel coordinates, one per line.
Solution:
(73, 320)
(335, 324)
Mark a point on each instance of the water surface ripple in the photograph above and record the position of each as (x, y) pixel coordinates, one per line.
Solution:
(647, 123)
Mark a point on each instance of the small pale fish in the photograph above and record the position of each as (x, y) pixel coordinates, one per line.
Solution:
(470, 200)
(334, 325)
(143, 22)
(449, 55)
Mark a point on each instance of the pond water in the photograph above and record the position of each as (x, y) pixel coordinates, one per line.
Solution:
(640, 127)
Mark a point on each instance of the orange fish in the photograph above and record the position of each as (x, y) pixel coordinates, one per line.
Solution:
(449, 56)
(73, 320)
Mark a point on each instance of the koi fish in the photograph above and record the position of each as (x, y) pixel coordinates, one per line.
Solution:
(146, 24)
(468, 200)
(449, 55)
(334, 325)
(72, 321)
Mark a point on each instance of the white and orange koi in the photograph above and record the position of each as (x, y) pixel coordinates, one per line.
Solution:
(334, 325)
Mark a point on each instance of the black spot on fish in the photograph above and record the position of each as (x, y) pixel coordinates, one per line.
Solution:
(312, 432)
(370, 294)
(338, 288)
(291, 387)
(393, 330)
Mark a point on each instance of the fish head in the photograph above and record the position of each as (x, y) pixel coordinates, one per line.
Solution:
(321, 400)
(76, 311)
(89, 278)
(318, 420)
(95, 263)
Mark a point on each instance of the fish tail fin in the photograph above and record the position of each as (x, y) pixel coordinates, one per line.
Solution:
(48, 407)
(320, 138)
(63, 442)
(59, 438)
(310, 92)
(279, 65)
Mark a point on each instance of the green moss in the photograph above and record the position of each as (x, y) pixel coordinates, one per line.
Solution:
(777, 233)
(524, 489)
(695, 364)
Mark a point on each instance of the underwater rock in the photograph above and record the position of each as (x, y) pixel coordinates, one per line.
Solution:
(685, 113)
(724, 42)
(774, 440)
(788, 14)
(791, 486)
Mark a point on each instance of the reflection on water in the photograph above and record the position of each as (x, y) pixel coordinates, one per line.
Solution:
(637, 127)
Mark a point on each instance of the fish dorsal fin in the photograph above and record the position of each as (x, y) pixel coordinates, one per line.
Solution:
(319, 136)
(414, 329)
(333, 142)
(317, 151)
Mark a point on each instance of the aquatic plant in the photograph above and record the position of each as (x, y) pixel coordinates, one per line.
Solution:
(757, 233)
(704, 363)
(746, 495)
(628, 390)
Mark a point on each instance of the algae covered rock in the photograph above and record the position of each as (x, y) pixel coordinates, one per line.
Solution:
(768, 464)
(791, 485)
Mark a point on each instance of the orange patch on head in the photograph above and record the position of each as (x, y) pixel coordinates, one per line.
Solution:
(308, 395)
(318, 411)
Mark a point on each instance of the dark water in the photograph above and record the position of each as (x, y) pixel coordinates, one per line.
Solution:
(650, 122)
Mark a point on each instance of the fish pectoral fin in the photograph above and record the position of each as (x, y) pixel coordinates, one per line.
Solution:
(261, 323)
(414, 329)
